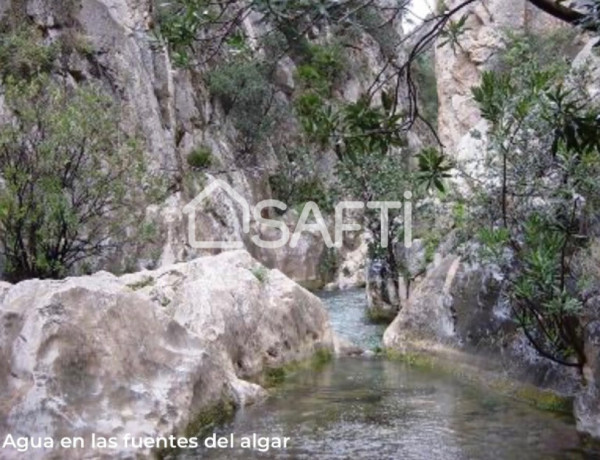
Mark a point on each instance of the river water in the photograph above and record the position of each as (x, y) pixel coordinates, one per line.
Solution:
(373, 408)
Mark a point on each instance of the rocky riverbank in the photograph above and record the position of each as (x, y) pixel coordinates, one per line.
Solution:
(146, 354)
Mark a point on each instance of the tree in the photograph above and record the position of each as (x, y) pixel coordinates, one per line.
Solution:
(540, 193)
(197, 31)
(69, 174)
(368, 136)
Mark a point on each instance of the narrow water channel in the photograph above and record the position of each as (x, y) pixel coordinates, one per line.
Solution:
(373, 408)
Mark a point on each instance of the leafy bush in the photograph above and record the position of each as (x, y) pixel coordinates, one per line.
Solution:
(543, 50)
(322, 68)
(453, 32)
(544, 148)
(247, 97)
(200, 158)
(433, 169)
(329, 264)
(293, 191)
(23, 56)
(179, 23)
(68, 174)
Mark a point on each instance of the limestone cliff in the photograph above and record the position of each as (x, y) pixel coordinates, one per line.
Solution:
(459, 68)
(171, 108)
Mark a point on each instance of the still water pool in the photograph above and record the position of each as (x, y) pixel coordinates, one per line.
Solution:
(372, 408)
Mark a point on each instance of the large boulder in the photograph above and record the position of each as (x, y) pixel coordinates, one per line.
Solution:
(148, 353)
(428, 314)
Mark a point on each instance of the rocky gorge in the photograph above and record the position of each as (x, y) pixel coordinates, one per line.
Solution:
(158, 337)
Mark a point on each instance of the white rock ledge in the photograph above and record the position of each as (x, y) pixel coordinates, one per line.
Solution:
(145, 353)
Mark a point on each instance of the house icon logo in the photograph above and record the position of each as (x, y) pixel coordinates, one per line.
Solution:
(215, 187)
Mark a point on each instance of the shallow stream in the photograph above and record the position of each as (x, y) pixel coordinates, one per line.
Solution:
(373, 408)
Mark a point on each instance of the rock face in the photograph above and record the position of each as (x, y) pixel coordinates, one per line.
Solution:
(387, 293)
(458, 69)
(459, 306)
(587, 403)
(383, 301)
(147, 353)
(174, 113)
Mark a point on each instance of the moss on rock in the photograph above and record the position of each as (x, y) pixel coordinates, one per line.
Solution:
(540, 398)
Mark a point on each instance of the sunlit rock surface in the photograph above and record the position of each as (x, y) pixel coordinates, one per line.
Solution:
(147, 353)
(459, 68)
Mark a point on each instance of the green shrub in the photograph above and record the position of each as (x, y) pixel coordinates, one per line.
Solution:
(329, 264)
(78, 42)
(247, 97)
(261, 274)
(23, 54)
(274, 376)
(547, 50)
(178, 24)
(295, 191)
(86, 171)
(200, 158)
(544, 150)
(323, 68)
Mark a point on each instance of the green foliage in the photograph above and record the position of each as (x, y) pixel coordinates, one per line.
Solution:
(142, 283)
(433, 169)
(295, 191)
(491, 94)
(321, 358)
(200, 158)
(423, 73)
(23, 55)
(541, 294)
(261, 274)
(329, 264)
(206, 421)
(247, 97)
(548, 50)
(452, 33)
(317, 117)
(179, 22)
(74, 41)
(494, 241)
(544, 147)
(370, 129)
(432, 241)
(69, 172)
(460, 218)
(274, 376)
(322, 68)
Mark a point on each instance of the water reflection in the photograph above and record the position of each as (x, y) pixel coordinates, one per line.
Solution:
(360, 408)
